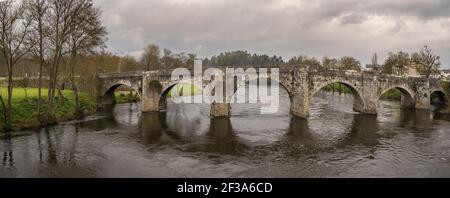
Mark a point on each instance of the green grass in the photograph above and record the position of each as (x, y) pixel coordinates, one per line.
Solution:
(24, 106)
(391, 95)
(184, 90)
(337, 87)
(124, 97)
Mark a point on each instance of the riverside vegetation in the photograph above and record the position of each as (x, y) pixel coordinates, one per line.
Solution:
(24, 103)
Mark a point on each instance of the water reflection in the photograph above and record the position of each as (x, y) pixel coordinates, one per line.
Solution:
(8, 156)
(363, 132)
(219, 137)
(439, 116)
(184, 141)
(411, 118)
(152, 127)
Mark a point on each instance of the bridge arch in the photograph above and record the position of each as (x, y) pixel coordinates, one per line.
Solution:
(407, 95)
(245, 82)
(243, 85)
(438, 96)
(358, 103)
(108, 96)
(167, 88)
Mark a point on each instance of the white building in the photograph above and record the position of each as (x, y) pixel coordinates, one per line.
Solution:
(445, 73)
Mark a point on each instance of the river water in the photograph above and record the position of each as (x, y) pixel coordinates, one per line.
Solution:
(184, 142)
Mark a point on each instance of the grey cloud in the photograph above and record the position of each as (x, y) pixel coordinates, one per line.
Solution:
(284, 27)
(353, 19)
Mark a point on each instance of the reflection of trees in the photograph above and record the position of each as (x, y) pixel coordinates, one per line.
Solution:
(99, 124)
(51, 152)
(56, 145)
(8, 155)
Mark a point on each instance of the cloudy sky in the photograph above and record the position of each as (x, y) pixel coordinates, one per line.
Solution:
(287, 28)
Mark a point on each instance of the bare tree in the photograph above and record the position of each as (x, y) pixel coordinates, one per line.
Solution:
(427, 62)
(330, 63)
(88, 34)
(397, 64)
(349, 63)
(151, 57)
(64, 18)
(167, 58)
(37, 10)
(305, 61)
(14, 31)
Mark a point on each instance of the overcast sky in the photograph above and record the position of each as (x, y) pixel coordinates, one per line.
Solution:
(287, 28)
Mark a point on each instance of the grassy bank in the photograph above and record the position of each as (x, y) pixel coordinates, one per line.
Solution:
(179, 90)
(125, 97)
(24, 106)
(184, 90)
(391, 95)
(337, 87)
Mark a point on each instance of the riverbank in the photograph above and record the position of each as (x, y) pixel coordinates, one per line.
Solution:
(391, 95)
(123, 97)
(24, 107)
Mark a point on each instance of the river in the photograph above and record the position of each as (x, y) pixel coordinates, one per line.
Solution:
(184, 142)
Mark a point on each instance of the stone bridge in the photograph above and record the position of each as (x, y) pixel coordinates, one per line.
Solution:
(300, 83)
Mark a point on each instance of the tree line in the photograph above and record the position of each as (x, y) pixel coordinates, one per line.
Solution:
(425, 62)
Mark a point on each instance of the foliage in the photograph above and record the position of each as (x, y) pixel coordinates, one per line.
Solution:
(125, 97)
(337, 87)
(330, 62)
(392, 95)
(304, 60)
(151, 57)
(243, 58)
(24, 110)
(349, 63)
(184, 90)
(397, 64)
(427, 63)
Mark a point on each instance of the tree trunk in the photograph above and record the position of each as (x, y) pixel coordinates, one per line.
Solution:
(61, 96)
(9, 101)
(130, 97)
(26, 93)
(39, 92)
(73, 62)
(52, 85)
(79, 112)
(3, 110)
